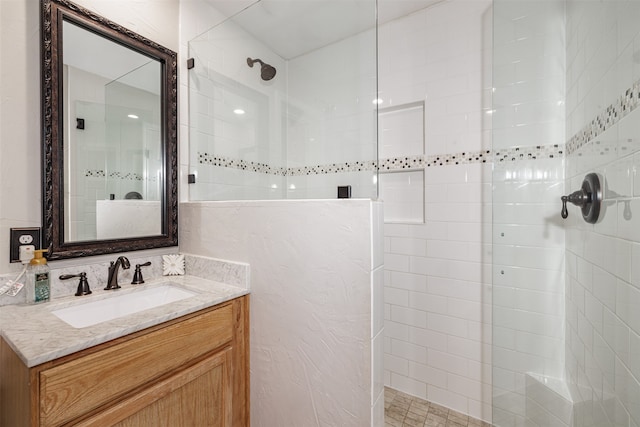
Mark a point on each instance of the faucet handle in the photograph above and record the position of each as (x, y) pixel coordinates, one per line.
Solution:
(588, 198)
(83, 285)
(137, 275)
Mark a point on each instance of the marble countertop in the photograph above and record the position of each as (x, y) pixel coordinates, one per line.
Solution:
(38, 336)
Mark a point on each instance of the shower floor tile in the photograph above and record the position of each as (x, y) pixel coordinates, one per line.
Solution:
(403, 410)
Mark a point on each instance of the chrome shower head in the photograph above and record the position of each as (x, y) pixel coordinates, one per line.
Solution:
(267, 72)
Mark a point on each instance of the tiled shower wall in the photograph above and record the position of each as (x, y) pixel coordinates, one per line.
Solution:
(437, 333)
(491, 116)
(307, 131)
(603, 260)
(228, 151)
(528, 233)
(330, 119)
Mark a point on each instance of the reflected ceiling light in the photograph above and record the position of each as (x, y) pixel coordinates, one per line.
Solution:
(378, 101)
(239, 111)
(274, 186)
(292, 187)
(133, 116)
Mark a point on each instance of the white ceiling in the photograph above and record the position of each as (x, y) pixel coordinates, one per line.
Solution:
(95, 54)
(294, 27)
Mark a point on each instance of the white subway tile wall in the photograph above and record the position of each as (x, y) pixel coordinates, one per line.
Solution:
(528, 73)
(498, 122)
(528, 237)
(438, 274)
(434, 56)
(220, 83)
(434, 327)
(401, 130)
(331, 114)
(290, 130)
(603, 293)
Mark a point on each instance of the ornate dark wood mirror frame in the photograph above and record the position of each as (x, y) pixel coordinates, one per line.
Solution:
(53, 12)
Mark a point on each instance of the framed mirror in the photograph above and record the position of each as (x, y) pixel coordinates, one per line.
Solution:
(109, 117)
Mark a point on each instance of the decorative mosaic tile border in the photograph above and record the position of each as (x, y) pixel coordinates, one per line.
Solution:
(357, 166)
(538, 152)
(125, 176)
(466, 157)
(625, 104)
(399, 163)
(395, 163)
(94, 173)
(129, 176)
(511, 154)
(210, 159)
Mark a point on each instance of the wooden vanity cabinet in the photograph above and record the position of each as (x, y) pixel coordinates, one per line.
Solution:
(192, 371)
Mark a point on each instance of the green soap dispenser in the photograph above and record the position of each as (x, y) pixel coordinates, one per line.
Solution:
(38, 285)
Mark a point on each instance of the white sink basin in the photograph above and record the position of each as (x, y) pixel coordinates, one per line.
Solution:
(91, 313)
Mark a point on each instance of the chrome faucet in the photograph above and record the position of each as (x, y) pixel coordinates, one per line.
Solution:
(112, 281)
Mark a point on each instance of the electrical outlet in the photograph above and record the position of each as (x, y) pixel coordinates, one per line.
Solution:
(26, 253)
(21, 237)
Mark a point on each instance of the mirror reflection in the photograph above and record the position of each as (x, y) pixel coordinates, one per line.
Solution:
(109, 133)
(113, 139)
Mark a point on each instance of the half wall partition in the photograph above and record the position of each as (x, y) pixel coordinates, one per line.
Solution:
(282, 106)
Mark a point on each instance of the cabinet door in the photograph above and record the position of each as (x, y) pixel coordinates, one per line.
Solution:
(200, 395)
(87, 383)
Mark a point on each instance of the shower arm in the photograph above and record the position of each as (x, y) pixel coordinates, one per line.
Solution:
(588, 198)
(250, 62)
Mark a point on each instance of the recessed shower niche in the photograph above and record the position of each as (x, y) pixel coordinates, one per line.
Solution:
(401, 157)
